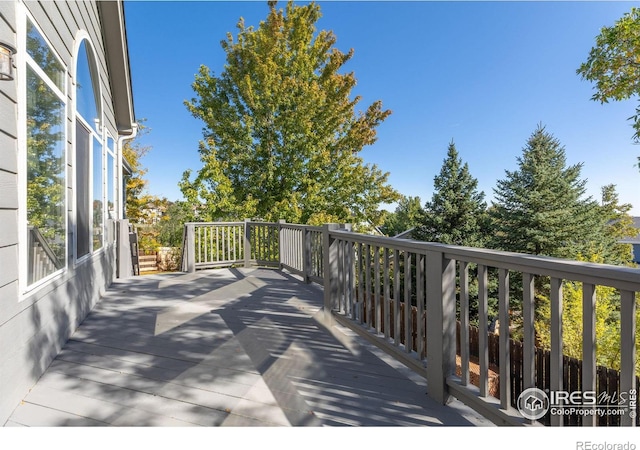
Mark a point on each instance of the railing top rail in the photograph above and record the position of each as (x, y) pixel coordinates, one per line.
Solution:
(295, 226)
(254, 222)
(625, 278)
(268, 224)
(213, 224)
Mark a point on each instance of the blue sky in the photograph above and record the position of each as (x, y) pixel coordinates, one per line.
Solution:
(483, 74)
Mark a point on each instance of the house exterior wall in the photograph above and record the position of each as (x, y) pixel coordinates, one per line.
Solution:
(35, 322)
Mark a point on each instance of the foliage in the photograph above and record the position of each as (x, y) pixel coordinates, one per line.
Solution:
(607, 322)
(406, 216)
(619, 225)
(147, 237)
(171, 225)
(282, 137)
(540, 208)
(137, 198)
(456, 213)
(614, 64)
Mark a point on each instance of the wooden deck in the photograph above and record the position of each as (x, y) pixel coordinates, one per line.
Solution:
(225, 348)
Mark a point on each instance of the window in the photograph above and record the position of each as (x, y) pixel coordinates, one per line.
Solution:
(83, 144)
(87, 91)
(111, 192)
(98, 196)
(45, 158)
(89, 166)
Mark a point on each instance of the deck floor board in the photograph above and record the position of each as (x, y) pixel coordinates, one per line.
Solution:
(239, 347)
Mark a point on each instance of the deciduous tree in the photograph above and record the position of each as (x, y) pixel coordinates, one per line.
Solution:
(406, 216)
(282, 137)
(614, 64)
(136, 196)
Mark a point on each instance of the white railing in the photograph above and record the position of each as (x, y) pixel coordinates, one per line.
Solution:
(408, 297)
(298, 248)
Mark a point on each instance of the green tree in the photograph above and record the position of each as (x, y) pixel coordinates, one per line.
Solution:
(456, 213)
(282, 136)
(614, 64)
(607, 322)
(171, 226)
(618, 226)
(137, 198)
(407, 215)
(541, 208)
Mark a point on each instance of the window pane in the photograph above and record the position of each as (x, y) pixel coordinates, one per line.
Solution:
(83, 145)
(87, 87)
(111, 207)
(98, 195)
(45, 179)
(38, 49)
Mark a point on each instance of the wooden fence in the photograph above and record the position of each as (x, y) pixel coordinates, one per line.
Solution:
(607, 380)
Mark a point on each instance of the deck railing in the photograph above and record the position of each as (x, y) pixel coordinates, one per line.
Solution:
(408, 297)
(297, 248)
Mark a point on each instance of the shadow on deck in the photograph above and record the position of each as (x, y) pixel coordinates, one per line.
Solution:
(239, 347)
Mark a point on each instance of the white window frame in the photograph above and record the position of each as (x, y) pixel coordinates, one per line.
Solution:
(110, 151)
(99, 135)
(24, 60)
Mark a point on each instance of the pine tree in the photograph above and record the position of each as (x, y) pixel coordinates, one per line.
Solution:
(618, 225)
(456, 213)
(541, 208)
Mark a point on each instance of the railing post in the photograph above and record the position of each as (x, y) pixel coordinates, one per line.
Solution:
(306, 254)
(628, 355)
(441, 324)
(588, 347)
(191, 247)
(281, 242)
(247, 243)
(557, 361)
(330, 257)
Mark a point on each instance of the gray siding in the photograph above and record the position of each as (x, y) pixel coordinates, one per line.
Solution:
(34, 327)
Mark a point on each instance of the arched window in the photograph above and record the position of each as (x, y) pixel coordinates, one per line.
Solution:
(89, 163)
(87, 87)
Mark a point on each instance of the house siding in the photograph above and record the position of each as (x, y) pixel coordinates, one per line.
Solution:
(35, 325)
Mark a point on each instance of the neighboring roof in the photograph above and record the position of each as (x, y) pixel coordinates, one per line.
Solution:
(405, 234)
(635, 240)
(117, 54)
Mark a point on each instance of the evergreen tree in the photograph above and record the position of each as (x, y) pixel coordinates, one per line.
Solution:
(282, 136)
(540, 208)
(618, 225)
(456, 213)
